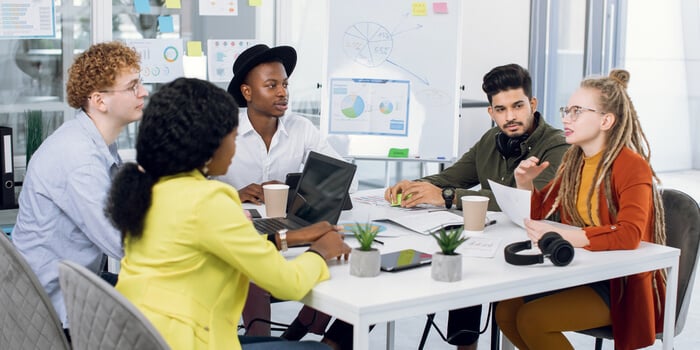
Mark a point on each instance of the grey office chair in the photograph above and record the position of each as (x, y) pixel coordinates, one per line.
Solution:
(100, 317)
(28, 319)
(682, 216)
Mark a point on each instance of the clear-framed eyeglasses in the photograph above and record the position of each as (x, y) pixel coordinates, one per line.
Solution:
(575, 111)
(133, 88)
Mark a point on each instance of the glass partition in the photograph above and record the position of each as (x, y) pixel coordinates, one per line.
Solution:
(32, 100)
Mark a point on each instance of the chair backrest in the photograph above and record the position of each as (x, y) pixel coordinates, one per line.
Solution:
(682, 215)
(28, 319)
(100, 317)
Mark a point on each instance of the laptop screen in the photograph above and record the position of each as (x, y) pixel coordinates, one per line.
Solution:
(322, 189)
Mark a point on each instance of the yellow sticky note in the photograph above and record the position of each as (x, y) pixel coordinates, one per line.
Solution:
(194, 48)
(254, 2)
(173, 4)
(419, 8)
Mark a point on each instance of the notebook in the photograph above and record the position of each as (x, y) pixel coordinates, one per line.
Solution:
(320, 195)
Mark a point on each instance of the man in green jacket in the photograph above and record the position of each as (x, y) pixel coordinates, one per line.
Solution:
(520, 132)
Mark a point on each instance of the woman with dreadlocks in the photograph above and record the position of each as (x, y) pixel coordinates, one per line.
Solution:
(606, 186)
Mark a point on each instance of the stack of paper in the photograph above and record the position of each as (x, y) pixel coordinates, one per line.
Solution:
(427, 222)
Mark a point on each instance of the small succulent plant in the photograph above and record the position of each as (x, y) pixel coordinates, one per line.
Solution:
(449, 240)
(365, 234)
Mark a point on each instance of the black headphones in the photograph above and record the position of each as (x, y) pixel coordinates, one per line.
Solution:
(552, 245)
(510, 146)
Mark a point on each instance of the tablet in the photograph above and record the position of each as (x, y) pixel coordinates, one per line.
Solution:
(404, 259)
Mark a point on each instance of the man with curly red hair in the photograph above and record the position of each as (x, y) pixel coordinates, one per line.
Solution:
(61, 206)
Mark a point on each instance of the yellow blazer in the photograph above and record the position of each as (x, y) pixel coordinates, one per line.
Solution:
(189, 272)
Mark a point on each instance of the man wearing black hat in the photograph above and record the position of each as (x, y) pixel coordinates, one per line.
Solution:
(270, 144)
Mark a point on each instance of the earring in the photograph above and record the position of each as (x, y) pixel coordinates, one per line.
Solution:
(205, 168)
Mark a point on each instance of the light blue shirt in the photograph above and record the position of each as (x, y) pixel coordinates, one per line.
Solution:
(61, 205)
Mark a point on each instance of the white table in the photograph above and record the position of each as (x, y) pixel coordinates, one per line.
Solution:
(391, 296)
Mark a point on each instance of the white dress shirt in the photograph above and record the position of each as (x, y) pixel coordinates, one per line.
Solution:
(61, 206)
(295, 137)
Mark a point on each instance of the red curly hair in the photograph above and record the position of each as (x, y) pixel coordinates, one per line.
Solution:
(97, 68)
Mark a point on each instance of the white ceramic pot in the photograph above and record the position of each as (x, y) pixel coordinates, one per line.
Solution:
(365, 263)
(446, 268)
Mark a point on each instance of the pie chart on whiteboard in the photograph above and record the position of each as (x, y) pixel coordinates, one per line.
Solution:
(352, 106)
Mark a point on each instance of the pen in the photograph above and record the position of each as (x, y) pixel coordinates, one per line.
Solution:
(490, 223)
(378, 241)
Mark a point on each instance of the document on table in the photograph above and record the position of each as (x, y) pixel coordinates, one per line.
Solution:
(480, 245)
(515, 203)
(427, 222)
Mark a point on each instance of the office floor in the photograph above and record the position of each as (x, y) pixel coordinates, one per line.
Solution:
(409, 331)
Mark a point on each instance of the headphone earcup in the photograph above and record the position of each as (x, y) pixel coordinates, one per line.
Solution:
(561, 253)
(509, 146)
(559, 250)
(546, 240)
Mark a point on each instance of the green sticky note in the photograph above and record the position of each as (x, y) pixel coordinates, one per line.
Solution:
(173, 4)
(398, 152)
(399, 196)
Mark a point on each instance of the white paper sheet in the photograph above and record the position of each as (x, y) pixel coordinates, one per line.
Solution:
(515, 203)
(480, 246)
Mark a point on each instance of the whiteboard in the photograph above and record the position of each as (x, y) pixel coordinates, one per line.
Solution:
(400, 41)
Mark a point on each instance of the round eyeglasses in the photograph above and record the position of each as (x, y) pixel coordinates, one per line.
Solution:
(575, 111)
(133, 88)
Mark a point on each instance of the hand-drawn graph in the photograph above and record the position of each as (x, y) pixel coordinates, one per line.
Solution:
(371, 44)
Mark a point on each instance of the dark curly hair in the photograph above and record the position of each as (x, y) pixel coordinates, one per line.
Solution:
(182, 126)
(97, 68)
(507, 77)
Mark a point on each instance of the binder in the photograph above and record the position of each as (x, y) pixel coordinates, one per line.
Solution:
(7, 198)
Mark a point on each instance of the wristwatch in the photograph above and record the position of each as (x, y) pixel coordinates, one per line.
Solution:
(448, 194)
(283, 239)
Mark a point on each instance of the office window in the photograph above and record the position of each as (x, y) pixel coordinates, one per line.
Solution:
(299, 22)
(33, 77)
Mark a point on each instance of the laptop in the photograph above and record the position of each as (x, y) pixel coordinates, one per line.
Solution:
(320, 195)
(292, 180)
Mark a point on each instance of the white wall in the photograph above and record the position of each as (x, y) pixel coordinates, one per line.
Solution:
(655, 57)
(495, 33)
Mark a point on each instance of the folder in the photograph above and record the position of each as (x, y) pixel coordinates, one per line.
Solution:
(7, 198)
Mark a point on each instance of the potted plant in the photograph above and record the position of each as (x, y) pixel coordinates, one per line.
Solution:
(447, 264)
(365, 260)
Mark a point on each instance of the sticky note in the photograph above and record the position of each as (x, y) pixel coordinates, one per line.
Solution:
(440, 7)
(194, 48)
(419, 8)
(397, 202)
(195, 67)
(165, 24)
(142, 6)
(254, 2)
(173, 4)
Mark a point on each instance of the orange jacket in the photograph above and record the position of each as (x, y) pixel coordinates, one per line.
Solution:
(636, 314)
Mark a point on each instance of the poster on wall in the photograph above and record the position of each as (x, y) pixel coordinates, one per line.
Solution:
(28, 19)
(161, 59)
(369, 106)
(221, 55)
(218, 8)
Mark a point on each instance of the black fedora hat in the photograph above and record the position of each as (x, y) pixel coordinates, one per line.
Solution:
(254, 56)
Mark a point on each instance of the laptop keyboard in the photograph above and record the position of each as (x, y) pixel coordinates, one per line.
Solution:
(270, 225)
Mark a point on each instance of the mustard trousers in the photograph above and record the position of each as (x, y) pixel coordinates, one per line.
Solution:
(538, 324)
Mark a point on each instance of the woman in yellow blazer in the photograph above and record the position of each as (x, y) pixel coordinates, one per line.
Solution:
(189, 250)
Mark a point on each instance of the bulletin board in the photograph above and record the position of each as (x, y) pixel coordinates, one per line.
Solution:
(417, 42)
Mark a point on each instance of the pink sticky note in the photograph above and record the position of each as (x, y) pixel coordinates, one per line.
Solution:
(440, 7)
